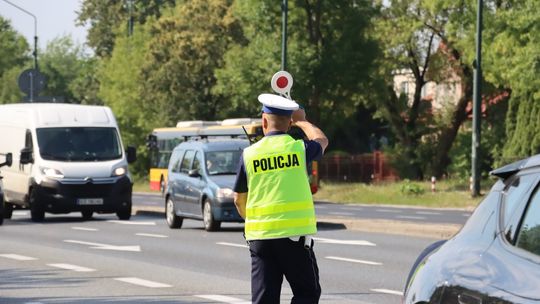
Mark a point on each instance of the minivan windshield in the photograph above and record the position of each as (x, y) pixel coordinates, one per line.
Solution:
(222, 162)
(79, 143)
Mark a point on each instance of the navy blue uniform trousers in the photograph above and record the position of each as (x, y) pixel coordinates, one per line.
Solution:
(273, 259)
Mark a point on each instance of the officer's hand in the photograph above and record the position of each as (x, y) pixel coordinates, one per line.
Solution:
(298, 115)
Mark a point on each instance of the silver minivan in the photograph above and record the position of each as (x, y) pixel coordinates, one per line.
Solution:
(201, 175)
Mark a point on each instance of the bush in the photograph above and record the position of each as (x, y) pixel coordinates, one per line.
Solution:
(409, 188)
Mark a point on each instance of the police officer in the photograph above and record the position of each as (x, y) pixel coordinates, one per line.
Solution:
(273, 195)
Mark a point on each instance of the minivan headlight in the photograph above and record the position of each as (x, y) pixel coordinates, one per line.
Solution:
(119, 171)
(225, 193)
(52, 173)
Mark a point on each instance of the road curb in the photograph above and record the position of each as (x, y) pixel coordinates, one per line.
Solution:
(425, 230)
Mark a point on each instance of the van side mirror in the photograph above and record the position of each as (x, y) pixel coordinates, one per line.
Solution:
(194, 173)
(9, 160)
(131, 153)
(26, 156)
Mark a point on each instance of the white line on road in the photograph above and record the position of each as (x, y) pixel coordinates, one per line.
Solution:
(341, 213)
(72, 267)
(132, 223)
(152, 235)
(344, 242)
(84, 229)
(353, 260)
(232, 244)
(388, 210)
(466, 214)
(428, 213)
(105, 246)
(387, 291)
(223, 299)
(144, 283)
(352, 208)
(17, 257)
(407, 217)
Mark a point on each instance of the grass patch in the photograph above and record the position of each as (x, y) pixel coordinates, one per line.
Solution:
(449, 194)
(141, 184)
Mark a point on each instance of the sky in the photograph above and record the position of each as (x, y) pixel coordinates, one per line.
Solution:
(54, 18)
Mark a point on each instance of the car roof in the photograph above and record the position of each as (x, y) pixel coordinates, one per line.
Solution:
(209, 145)
(510, 169)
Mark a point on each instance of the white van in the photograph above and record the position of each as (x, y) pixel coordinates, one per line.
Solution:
(66, 158)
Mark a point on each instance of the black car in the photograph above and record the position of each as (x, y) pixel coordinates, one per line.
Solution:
(495, 258)
(4, 212)
(201, 176)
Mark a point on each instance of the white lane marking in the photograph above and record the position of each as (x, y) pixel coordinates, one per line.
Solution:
(407, 217)
(388, 210)
(17, 257)
(320, 207)
(232, 244)
(105, 246)
(144, 283)
(344, 242)
(466, 214)
(428, 213)
(387, 291)
(353, 260)
(352, 208)
(84, 229)
(341, 213)
(21, 213)
(34, 303)
(72, 267)
(152, 235)
(132, 223)
(223, 299)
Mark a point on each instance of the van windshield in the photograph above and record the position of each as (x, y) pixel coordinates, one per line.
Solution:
(79, 144)
(222, 162)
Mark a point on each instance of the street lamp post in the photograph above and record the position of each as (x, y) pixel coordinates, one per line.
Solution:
(477, 105)
(284, 9)
(35, 30)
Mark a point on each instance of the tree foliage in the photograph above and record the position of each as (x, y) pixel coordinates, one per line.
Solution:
(14, 55)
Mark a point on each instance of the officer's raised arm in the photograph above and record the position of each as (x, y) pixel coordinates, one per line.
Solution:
(312, 132)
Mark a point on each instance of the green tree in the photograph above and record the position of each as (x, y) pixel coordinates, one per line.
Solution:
(329, 54)
(14, 56)
(186, 48)
(121, 89)
(108, 18)
(65, 66)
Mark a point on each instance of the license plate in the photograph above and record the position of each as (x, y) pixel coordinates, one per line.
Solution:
(90, 201)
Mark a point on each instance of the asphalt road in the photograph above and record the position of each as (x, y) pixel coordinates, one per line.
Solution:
(67, 260)
(356, 211)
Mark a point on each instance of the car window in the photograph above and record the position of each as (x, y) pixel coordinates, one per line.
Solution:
(197, 162)
(175, 160)
(515, 194)
(529, 233)
(186, 162)
(222, 162)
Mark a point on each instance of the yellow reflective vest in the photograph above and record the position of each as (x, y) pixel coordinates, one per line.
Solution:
(279, 202)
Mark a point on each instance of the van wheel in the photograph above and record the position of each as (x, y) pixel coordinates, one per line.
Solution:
(36, 211)
(210, 224)
(1, 214)
(174, 221)
(87, 215)
(8, 210)
(124, 213)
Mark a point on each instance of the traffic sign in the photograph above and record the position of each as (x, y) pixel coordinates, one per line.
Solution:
(31, 82)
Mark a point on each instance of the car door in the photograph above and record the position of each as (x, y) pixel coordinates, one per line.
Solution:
(183, 180)
(173, 178)
(514, 258)
(195, 185)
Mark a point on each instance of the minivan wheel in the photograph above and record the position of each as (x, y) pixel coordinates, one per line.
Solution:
(210, 224)
(1, 214)
(8, 210)
(87, 214)
(37, 213)
(124, 213)
(174, 221)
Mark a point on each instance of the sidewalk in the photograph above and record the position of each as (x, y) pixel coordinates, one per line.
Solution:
(434, 231)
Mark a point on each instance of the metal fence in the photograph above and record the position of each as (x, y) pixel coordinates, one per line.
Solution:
(372, 167)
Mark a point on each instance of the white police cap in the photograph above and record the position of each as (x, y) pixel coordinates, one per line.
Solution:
(275, 104)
